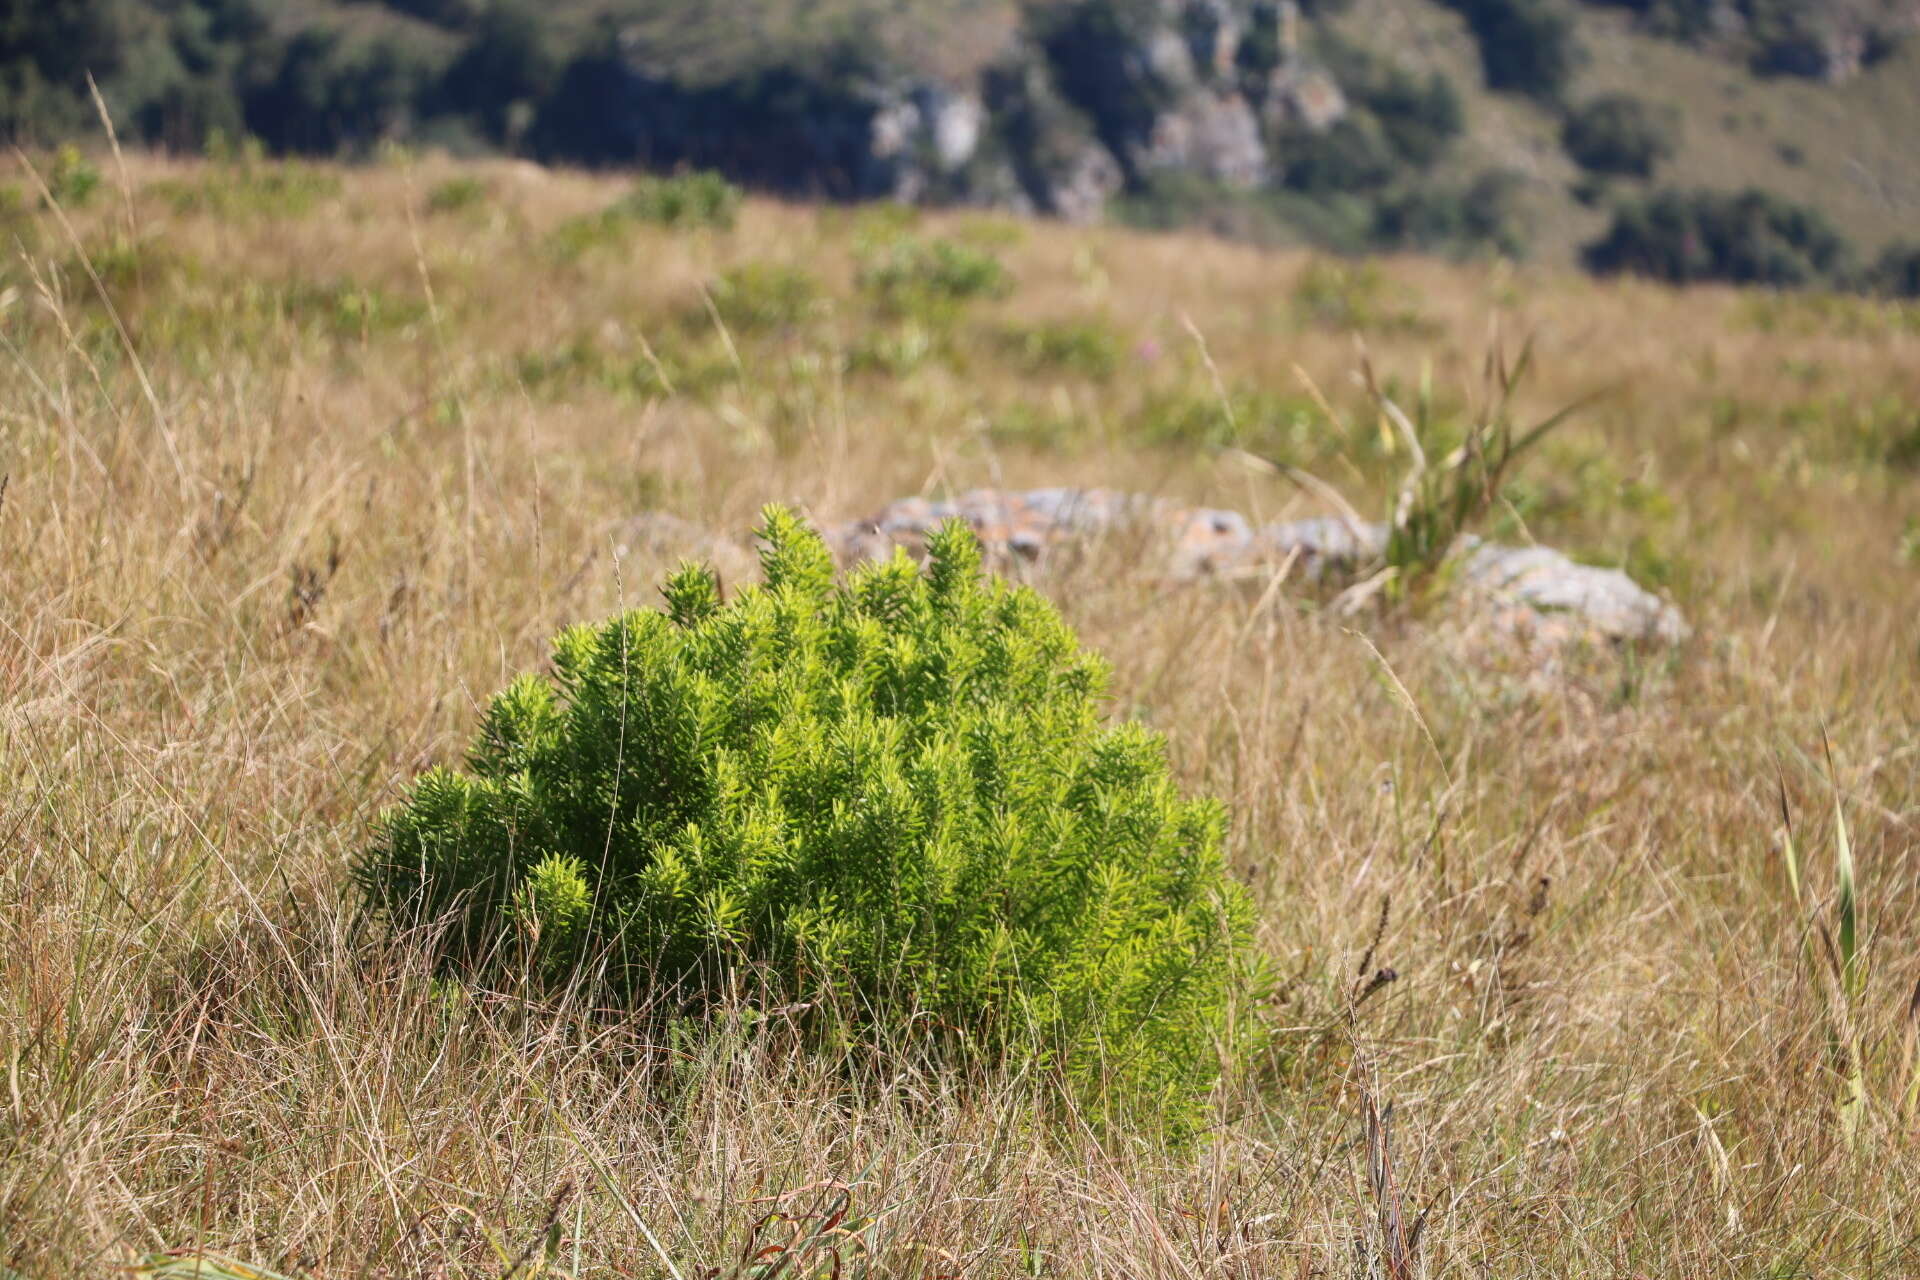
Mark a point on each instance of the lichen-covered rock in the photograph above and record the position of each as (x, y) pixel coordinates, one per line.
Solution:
(1548, 582)
(1536, 589)
(1533, 597)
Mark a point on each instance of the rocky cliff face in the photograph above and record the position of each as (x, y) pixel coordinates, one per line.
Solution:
(1083, 100)
(1217, 112)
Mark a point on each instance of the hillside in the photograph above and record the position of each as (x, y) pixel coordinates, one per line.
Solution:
(1468, 127)
(300, 463)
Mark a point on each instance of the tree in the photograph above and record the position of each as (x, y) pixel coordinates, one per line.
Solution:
(1526, 46)
(1751, 237)
(47, 49)
(509, 66)
(1619, 134)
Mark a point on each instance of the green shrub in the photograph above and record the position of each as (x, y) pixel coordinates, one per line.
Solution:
(896, 350)
(1897, 272)
(1086, 348)
(1751, 237)
(250, 187)
(891, 798)
(1329, 220)
(1354, 297)
(72, 178)
(579, 236)
(1353, 155)
(456, 195)
(1418, 116)
(684, 200)
(349, 310)
(930, 278)
(653, 372)
(765, 296)
(1617, 133)
(688, 200)
(1272, 424)
(1526, 46)
(1484, 216)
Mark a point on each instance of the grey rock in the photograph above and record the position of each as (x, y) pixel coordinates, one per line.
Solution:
(1548, 582)
(1306, 95)
(1216, 135)
(1324, 547)
(1079, 192)
(1213, 31)
(1534, 591)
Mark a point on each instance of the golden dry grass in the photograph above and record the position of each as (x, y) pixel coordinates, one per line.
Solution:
(238, 610)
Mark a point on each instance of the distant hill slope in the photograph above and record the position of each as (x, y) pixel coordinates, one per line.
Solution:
(1462, 126)
(1849, 149)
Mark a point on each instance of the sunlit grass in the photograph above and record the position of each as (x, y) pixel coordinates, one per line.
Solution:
(278, 520)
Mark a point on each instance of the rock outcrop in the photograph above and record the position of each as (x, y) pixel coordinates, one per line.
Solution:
(1077, 103)
(1554, 592)
(1534, 595)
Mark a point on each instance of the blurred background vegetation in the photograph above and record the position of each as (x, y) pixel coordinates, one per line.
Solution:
(1746, 140)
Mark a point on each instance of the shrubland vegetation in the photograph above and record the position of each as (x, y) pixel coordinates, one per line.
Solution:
(787, 97)
(1619, 134)
(1599, 969)
(888, 804)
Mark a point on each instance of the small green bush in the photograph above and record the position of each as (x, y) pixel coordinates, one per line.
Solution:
(654, 372)
(1618, 133)
(1355, 154)
(1354, 297)
(930, 278)
(761, 297)
(683, 200)
(1266, 422)
(250, 188)
(1486, 215)
(586, 233)
(892, 797)
(1086, 348)
(1526, 46)
(1418, 116)
(897, 350)
(457, 195)
(1896, 273)
(1749, 237)
(72, 178)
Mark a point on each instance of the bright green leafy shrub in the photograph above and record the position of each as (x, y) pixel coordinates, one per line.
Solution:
(894, 797)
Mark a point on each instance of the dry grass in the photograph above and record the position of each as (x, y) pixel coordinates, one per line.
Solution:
(239, 610)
